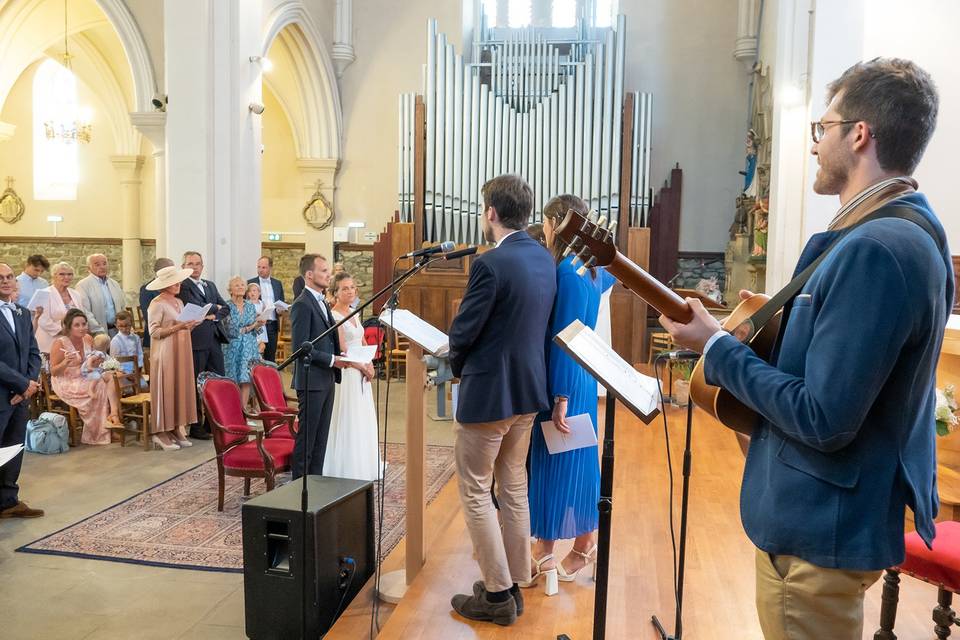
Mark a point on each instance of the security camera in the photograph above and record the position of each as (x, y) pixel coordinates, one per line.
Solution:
(256, 107)
(159, 102)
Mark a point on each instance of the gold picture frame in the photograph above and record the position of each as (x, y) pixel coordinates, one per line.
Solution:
(11, 206)
(318, 212)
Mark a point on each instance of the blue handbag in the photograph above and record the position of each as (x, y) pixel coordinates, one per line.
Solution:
(47, 434)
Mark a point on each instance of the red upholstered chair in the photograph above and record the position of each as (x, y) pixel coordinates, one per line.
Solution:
(279, 419)
(939, 566)
(242, 450)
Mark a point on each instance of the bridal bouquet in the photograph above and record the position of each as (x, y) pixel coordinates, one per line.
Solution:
(110, 364)
(946, 413)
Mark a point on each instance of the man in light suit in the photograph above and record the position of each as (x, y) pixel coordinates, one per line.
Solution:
(271, 292)
(102, 296)
(19, 370)
(309, 317)
(497, 350)
(207, 350)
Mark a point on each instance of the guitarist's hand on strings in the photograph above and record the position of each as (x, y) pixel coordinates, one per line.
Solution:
(693, 335)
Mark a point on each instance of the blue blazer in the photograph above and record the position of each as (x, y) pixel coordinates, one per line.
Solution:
(202, 335)
(847, 436)
(19, 356)
(497, 338)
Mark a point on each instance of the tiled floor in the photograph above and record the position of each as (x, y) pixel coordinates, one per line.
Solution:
(61, 598)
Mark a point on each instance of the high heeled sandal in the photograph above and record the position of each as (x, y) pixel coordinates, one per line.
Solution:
(160, 443)
(551, 585)
(589, 558)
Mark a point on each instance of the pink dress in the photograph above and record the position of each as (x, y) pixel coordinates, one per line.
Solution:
(89, 397)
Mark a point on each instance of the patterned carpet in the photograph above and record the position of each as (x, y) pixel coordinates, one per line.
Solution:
(176, 523)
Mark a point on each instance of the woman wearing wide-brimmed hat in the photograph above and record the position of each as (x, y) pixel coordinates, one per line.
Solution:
(173, 397)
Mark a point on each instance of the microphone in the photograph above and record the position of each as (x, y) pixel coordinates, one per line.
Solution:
(680, 354)
(455, 255)
(443, 247)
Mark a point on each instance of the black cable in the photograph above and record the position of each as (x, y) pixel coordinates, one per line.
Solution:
(353, 571)
(657, 364)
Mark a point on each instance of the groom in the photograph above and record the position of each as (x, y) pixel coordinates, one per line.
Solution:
(309, 317)
(497, 350)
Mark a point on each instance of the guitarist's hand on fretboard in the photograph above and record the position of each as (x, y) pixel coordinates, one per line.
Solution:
(694, 334)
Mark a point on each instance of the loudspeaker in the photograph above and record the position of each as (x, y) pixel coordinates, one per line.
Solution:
(340, 555)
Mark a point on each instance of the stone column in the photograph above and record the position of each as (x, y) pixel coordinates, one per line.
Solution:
(128, 169)
(213, 134)
(745, 48)
(342, 53)
(312, 172)
(152, 125)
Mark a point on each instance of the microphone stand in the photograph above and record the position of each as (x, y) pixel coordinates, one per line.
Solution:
(684, 502)
(305, 355)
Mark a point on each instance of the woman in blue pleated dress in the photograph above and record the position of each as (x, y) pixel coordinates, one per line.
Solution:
(565, 487)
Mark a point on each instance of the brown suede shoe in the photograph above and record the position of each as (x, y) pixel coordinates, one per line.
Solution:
(476, 607)
(21, 510)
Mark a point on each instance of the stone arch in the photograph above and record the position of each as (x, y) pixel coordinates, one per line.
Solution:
(312, 99)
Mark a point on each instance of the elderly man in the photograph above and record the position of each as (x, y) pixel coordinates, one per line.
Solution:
(102, 296)
(271, 292)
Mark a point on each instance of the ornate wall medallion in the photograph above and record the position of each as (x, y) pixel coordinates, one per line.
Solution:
(318, 213)
(11, 206)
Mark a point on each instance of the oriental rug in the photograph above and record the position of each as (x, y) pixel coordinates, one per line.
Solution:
(176, 523)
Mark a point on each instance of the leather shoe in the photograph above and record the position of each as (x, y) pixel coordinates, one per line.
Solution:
(480, 608)
(21, 510)
(479, 589)
(199, 433)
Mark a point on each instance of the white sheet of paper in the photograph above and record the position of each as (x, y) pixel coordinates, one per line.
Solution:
(633, 388)
(417, 330)
(266, 310)
(581, 434)
(281, 305)
(361, 353)
(9, 453)
(193, 312)
(40, 298)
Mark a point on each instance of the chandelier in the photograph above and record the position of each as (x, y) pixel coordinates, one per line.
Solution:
(71, 123)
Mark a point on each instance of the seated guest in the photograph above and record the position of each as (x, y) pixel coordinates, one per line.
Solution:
(242, 328)
(29, 280)
(102, 296)
(147, 296)
(59, 298)
(173, 396)
(19, 369)
(95, 399)
(126, 342)
(99, 360)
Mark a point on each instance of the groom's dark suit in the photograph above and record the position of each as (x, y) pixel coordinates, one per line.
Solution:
(309, 317)
(19, 364)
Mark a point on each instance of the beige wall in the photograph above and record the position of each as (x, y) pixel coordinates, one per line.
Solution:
(95, 212)
(282, 194)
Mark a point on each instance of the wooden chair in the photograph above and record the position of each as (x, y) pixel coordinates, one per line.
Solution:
(137, 319)
(54, 404)
(283, 337)
(660, 341)
(134, 403)
(397, 356)
(939, 566)
(242, 450)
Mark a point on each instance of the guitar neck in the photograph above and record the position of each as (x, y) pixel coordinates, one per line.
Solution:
(655, 293)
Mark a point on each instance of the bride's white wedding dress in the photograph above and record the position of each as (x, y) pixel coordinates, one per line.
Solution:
(352, 446)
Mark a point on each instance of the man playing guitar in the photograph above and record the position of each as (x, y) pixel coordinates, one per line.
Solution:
(845, 439)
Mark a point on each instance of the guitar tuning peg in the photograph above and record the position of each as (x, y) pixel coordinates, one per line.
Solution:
(587, 265)
(582, 270)
(592, 216)
(602, 221)
(612, 228)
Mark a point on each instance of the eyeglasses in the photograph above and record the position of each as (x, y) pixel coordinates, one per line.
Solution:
(817, 128)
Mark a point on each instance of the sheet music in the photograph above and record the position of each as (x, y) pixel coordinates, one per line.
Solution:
(417, 330)
(581, 434)
(637, 391)
(40, 298)
(192, 312)
(9, 453)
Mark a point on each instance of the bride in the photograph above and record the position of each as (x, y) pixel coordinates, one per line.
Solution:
(352, 444)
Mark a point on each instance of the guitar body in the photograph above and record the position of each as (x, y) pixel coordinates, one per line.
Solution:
(720, 403)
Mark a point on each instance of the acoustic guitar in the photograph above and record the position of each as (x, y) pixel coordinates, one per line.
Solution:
(592, 242)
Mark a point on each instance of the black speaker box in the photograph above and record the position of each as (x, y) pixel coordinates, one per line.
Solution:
(340, 555)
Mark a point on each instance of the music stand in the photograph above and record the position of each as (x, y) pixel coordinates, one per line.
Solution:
(639, 394)
(423, 337)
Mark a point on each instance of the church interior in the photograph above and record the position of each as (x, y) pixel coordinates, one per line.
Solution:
(255, 132)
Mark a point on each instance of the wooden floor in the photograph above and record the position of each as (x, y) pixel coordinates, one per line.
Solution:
(719, 588)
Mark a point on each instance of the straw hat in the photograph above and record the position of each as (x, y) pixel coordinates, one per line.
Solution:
(168, 276)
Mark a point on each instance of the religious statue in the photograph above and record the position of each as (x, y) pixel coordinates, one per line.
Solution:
(761, 211)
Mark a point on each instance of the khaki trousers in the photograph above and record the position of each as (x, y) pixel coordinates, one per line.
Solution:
(482, 449)
(797, 600)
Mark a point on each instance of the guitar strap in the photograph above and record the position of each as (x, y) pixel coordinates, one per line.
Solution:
(785, 295)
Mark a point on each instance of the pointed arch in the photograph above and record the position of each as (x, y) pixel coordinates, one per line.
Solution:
(312, 98)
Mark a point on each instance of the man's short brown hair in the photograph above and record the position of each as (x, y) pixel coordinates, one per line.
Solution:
(38, 260)
(268, 259)
(512, 197)
(898, 100)
(308, 261)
